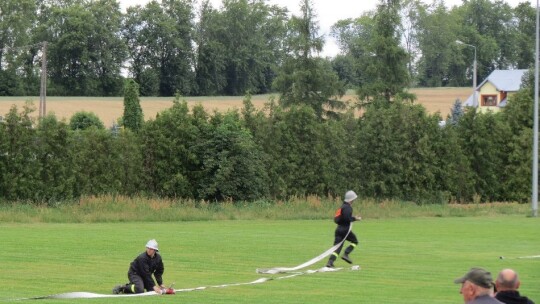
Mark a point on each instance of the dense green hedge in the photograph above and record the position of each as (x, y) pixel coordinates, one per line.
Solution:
(395, 151)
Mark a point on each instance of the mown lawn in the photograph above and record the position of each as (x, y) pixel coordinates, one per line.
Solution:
(412, 260)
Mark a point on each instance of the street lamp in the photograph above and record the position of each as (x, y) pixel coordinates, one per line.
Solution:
(535, 113)
(475, 100)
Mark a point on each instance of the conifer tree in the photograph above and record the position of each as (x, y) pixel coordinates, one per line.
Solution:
(133, 115)
(386, 73)
(305, 79)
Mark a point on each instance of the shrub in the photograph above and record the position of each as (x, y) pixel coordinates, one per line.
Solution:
(83, 120)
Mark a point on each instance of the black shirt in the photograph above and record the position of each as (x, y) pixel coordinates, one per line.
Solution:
(145, 266)
(512, 297)
(345, 216)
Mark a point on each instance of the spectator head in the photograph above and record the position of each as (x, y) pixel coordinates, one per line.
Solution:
(507, 280)
(475, 283)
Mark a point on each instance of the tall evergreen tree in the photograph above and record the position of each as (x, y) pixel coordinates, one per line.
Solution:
(304, 78)
(133, 116)
(386, 73)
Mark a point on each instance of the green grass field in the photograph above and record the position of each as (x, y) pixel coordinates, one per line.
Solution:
(410, 260)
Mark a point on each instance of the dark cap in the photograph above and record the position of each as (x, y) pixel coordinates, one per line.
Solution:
(477, 276)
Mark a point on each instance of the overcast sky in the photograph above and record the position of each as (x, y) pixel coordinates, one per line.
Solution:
(329, 12)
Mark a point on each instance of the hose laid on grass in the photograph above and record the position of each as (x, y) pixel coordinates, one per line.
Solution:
(90, 295)
(306, 264)
(291, 273)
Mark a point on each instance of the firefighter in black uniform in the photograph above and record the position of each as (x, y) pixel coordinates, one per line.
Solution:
(343, 218)
(141, 270)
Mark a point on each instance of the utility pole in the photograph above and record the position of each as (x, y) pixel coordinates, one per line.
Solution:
(475, 97)
(43, 87)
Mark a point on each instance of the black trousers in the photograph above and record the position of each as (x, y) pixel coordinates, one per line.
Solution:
(339, 235)
(136, 284)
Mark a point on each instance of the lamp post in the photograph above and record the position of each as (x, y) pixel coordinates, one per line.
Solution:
(534, 199)
(43, 86)
(475, 100)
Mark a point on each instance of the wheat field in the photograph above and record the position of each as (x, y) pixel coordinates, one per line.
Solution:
(110, 109)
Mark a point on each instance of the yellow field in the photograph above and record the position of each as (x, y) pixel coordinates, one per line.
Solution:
(109, 109)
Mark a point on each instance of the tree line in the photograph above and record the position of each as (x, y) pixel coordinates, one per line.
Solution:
(394, 151)
(306, 142)
(191, 48)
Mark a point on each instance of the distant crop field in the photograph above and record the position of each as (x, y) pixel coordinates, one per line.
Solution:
(109, 109)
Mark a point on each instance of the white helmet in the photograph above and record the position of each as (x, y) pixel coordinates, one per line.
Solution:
(350, 196)
(152, 244)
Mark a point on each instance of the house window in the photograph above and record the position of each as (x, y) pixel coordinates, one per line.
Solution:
(503, 95)
(489, 100)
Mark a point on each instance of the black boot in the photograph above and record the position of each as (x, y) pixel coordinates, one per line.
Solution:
(346, 258)
(331, 260)
(118, 289)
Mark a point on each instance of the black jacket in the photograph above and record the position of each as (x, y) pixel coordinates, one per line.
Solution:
(144, 266)
(512, 297)
(344, 215)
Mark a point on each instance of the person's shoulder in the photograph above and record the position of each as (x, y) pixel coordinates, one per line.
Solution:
(486, 300)
(529, 301)
(508, 296)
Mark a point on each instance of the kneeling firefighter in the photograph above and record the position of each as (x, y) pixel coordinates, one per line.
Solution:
(141, 270)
